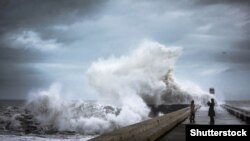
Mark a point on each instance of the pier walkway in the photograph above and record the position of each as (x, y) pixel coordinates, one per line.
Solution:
(222, 118)
(170, 126)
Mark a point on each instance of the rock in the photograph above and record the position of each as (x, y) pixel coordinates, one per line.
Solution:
(26, 116)
(51, 132)
(68, 132)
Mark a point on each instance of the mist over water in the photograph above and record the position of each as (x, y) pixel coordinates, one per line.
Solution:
(126, 85)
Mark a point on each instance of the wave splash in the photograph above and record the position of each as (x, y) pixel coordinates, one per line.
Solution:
(145, 76)
(126, 85)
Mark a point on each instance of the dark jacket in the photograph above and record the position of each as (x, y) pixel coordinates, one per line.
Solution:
(211, 111)
(192, 108)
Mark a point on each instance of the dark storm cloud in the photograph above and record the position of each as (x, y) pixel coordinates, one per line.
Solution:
(213, 33)
(36, 13)
(16, 81)
(240, 53)
(208, 2)
(17, 76)
(19, 55)
(235, 57)
(243, 7)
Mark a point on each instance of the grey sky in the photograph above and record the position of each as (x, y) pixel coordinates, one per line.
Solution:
(44, 41)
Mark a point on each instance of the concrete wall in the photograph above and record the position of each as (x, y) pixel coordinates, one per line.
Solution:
(240, 113)
(148, 130)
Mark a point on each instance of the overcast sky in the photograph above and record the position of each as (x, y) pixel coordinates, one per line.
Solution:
(47, 41)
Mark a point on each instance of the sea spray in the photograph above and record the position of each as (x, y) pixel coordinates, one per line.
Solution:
(126, 85)
(145, 76)
(58, 114)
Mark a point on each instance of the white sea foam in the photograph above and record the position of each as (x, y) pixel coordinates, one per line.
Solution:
(126, 83)
(46, 138)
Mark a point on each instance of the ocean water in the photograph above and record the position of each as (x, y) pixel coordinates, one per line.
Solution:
(245, 105)
(13, 137)
(17, 124)
(15, 128)
(10, 109)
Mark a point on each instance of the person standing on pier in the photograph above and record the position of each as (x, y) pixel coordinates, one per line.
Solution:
(211, 112)
(192, 112)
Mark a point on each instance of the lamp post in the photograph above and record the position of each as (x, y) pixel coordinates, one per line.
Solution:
(211, 91)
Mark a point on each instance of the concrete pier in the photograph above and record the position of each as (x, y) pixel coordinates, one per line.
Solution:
(168, 127)
(222, 118)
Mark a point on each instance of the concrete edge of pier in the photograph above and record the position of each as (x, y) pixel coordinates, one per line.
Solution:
(238, 112)
(148, 130)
